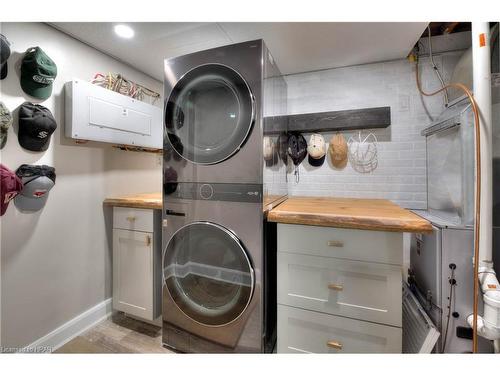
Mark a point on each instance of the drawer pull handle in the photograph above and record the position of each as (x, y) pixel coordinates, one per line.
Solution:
(335, 243)
(131, 218)
(334, 345)
(148, 240)
(336, 287)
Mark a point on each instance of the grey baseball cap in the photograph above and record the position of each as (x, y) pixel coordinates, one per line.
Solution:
(4, 56)
(37, 181)
(5, 123)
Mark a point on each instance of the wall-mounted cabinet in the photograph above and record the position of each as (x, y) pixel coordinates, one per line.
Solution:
(96, 114)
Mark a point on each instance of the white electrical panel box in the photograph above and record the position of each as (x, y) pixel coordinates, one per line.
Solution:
(96, 114)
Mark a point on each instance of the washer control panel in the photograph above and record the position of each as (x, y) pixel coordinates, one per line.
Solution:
(214, 192)
(206, 191)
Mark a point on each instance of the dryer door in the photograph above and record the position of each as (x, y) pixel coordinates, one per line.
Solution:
(209, 114)
(208, 273)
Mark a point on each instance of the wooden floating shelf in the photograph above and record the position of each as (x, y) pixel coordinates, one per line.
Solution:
(354, 119)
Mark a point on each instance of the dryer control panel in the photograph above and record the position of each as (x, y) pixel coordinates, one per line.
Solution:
(251, 193)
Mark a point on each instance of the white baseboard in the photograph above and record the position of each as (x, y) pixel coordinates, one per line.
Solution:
(74, 327)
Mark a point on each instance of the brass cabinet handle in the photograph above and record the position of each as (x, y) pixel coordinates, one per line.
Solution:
(148, 240)
(333, 243)
(334, 345)
(336, 287)
(131, 218)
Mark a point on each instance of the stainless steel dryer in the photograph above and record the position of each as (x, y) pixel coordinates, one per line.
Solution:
(219, 285)
(214, 113)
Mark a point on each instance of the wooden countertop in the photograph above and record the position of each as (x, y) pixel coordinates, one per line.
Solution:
(154, 201)
(370, 214)
(146, 200)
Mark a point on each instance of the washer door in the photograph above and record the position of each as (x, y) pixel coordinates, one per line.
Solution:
(209, 114)
(208, 273)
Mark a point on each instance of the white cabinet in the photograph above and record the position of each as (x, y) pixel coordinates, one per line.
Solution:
(136, 262)
(97, 114)
(339, 286)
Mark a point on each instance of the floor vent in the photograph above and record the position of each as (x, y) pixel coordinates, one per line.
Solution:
(419, 333)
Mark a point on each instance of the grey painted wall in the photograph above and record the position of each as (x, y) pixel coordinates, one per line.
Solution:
(55, 264)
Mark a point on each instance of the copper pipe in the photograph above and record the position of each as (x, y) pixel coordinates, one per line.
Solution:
(478, 193)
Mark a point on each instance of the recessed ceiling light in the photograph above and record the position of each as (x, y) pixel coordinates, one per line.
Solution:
(124, 31)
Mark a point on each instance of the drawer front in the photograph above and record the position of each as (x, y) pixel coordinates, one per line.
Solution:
(354, 289)
(302, 331)
(354, 244)
(133, 219)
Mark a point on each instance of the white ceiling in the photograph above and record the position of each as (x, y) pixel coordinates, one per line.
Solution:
(296, 47)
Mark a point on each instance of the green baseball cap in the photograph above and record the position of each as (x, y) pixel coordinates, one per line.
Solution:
(38, 73)
(5, 123)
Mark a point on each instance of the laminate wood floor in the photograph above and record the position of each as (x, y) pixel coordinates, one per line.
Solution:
(118, 334)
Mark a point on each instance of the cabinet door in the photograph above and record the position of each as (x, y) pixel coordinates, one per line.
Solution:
(133, 273)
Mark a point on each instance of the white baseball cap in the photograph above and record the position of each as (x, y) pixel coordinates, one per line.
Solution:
(316, 150)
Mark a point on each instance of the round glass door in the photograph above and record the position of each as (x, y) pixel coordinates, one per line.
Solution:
(208, 273)
(209, 114)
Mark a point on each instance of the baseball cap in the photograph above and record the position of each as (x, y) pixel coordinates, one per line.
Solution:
(269, 151)
(297, 148)
(10, 187)
(4, 56)
(38, 73)
(316, 150)
(36, 125)
(37, 181)
(338, 151)
(5, 123)
(282, 144)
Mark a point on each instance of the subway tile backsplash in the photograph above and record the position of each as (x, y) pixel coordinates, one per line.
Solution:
(401, 172)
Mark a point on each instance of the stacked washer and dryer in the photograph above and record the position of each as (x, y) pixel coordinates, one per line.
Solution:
(219, 286)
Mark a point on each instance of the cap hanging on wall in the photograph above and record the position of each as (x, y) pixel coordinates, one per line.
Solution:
(282, 145)
(297, 150)
(36, 125)
(38, 180)
(269, 151)
(316, 150)
(338, 151)
(10, 187)
(4, 56)
(5, 123)
(38, 73)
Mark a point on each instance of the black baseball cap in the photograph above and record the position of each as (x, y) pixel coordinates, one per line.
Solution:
(4, 55)
(297, 147)
(36, 125)
(38, 73)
